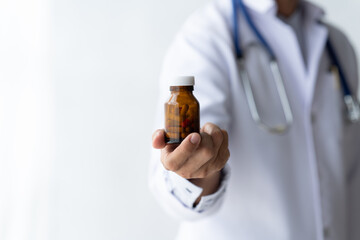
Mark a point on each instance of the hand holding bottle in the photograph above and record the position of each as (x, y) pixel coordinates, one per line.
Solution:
(199, 158)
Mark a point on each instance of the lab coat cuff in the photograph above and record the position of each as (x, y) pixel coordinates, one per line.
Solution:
(185, 191)
(206, 202)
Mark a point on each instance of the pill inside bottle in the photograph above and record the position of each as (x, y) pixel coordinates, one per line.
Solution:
(181, 110)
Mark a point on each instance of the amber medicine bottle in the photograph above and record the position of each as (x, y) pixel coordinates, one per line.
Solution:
(181, 110)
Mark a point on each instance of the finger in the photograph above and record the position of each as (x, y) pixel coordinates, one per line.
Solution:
(225, 143)
(205, 170)
(216, 133)
(213, 166)
(204, 153)
(223, 153)
(174, 160)
(158, 139)
(218, 162)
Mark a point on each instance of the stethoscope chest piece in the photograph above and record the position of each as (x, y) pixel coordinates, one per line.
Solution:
(353, 109)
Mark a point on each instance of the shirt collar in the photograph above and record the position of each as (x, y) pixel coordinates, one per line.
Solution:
(269, 6)
(261, 6)
(312, 11)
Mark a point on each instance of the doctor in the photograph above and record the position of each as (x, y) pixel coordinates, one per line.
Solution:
(302, 183)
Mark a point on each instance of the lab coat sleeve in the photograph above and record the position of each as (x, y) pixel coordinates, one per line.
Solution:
(349, 62)
(198, 50)
(177, 195)
(352, 150)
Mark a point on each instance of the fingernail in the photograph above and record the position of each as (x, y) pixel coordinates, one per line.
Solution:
(195, 139)
(155, 135)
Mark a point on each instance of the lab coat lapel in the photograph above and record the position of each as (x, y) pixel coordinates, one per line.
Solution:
(278, 34)
(315, 39)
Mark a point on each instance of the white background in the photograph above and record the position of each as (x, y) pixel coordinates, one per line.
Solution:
(78, 86)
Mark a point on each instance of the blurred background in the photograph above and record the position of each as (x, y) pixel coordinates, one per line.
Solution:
(78, 87)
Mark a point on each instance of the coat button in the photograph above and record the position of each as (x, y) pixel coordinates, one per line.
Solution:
(313, 118)
(326, 231)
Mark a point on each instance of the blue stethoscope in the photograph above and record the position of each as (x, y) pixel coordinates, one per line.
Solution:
(352, 105)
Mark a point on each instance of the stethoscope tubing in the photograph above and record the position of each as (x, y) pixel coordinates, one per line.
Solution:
(351, 103)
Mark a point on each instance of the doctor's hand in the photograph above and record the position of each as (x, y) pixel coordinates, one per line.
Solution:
(199, 158)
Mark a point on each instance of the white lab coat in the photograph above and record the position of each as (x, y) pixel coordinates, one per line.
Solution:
(304, 184)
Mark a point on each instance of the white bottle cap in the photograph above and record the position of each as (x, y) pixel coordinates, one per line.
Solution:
(183, 81)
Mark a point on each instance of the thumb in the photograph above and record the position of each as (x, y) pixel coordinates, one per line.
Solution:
(158, 139)
(187, 146)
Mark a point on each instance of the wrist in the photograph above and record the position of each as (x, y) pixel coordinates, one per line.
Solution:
(209, 184)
